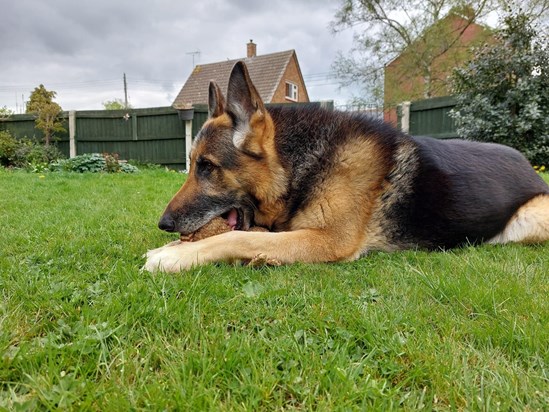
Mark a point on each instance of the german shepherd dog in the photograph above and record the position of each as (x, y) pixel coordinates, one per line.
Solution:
(330, 186)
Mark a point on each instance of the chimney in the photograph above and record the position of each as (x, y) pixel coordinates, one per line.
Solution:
(252, 49)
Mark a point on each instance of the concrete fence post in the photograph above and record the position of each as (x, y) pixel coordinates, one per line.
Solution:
(188, 143)
(327, 104)
(72, 133)
(405, 119)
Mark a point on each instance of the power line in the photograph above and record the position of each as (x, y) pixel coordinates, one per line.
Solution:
(323, 84)
(85, 84)
(325, 78)
(319, 76)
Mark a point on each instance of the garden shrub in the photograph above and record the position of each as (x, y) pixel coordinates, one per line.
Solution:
(93, 163)
(35, 156)
(26, 153)
(8, 146)
(503, 92)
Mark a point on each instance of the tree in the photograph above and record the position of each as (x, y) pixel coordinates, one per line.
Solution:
(115, 104)
(390, 28)
(47, 112)
(536, 10)
(503, 92)
(5, 113)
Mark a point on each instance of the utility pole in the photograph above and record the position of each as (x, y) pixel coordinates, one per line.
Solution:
(125, 92)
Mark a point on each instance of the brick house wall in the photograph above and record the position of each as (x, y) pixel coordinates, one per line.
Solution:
(292, 74)
(401, 83)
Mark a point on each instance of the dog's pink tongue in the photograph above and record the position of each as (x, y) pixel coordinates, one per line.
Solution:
(232, 218)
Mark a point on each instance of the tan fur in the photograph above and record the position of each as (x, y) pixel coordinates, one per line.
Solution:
(262, 134)
(190, 187)
(237, 245)
(222, 120)
(358, 165)
(530, 224)
(188, 190)
(323, 232)
(267, 179)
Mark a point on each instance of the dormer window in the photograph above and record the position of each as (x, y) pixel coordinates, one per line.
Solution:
(291, 91)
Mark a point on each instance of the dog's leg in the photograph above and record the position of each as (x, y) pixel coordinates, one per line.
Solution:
(306, 245)
(530, 224)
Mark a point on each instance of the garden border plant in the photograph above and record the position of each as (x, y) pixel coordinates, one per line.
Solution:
(25, 153)
(94, 163)
(34, 156)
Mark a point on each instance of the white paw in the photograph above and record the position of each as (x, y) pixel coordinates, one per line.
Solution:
(173, 257)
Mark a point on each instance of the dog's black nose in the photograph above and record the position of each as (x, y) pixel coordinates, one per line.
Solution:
(167, 223)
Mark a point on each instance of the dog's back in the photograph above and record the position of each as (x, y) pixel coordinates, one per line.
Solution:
(432, 193)
(465, 191)
(315, 145)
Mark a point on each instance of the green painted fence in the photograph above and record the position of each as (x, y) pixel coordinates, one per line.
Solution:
(154, 135)
(430, 117)
(22, 126)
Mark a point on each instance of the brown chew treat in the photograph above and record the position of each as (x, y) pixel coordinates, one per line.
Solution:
(216, 226)
(257, 229)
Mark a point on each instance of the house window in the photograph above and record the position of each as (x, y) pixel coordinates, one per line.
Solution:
(291, 91)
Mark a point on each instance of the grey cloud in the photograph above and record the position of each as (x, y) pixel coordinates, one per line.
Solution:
(63, 41)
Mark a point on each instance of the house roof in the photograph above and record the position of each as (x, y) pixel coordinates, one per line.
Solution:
(266, 72)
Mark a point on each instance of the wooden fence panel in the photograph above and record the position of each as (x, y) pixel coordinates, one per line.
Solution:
(147, 135)
(99, 129)
(431, 117)
(154, 135)
(21, 126)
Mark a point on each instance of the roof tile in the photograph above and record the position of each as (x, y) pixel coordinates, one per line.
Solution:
(265, 71)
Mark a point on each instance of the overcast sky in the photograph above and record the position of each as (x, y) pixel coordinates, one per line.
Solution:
(80, 49)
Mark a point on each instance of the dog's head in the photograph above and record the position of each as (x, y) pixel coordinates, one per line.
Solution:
(234, 166)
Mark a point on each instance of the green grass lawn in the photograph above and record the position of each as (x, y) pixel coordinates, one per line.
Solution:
(82, 328)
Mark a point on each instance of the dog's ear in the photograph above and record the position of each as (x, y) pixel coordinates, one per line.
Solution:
(216, 101)
(244, 105)
(242, 96)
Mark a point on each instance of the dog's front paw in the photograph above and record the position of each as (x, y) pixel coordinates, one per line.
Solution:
(260, 260)
(173, 257)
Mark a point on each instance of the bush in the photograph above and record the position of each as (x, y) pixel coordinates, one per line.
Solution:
(145, 166)
(502, 94)
(93, 163)
(8, 146)
(26, 153)
(35, 156)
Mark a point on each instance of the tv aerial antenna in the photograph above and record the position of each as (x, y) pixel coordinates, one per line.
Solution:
(194, 53)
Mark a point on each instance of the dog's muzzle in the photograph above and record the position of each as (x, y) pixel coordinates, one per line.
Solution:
(167, 223)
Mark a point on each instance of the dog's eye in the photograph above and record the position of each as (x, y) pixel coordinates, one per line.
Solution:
(205, 166)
